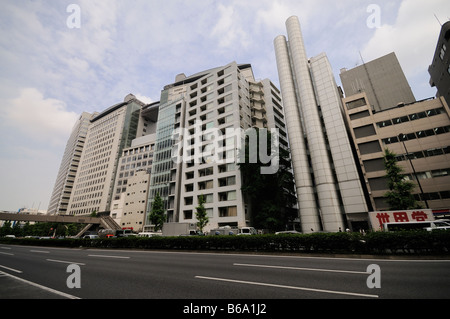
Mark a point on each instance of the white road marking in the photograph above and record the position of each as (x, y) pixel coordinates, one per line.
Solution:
(307, 269)
(11, 269)
(106, 256)
(65, 262)
(289, 287)
(40, 251)
(60, 293)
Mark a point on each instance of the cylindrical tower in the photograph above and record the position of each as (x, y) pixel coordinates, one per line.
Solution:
(329, 206)
(305, 191)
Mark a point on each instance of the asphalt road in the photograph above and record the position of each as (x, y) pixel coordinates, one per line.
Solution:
(42, 272)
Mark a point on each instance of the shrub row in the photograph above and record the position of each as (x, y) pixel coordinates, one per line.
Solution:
(412, 242)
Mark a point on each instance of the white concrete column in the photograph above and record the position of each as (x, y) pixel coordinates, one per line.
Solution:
(326, 189)
(305, 192)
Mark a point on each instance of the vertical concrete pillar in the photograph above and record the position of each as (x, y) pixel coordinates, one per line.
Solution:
(306, 202)
(309, 110)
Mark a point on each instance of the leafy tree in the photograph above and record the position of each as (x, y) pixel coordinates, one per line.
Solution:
(400, 194)
(6, 229)
(271, 196)
(200, 214)
(157, 214)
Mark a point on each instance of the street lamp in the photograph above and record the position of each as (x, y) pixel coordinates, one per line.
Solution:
(400, 137)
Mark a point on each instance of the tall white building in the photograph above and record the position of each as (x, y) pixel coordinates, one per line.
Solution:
(329, 191)
(69, 166)
(197, 141)
(108, 134)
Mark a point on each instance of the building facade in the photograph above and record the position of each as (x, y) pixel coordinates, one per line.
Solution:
(108, 134)
(382, 80)
(440, 67)
(419, 133)
(198, 135)
(330, 195)
(69, 166)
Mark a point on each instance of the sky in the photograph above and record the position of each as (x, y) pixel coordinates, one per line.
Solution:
(62, 57)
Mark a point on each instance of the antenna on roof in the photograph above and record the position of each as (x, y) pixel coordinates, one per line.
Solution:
(437, 19)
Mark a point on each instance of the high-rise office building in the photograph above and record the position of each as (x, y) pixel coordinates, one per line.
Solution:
(382, 80)
(108, 134)
(69, 166)
(330, 195)
(440, 67)
(197, 141)
(419, 133)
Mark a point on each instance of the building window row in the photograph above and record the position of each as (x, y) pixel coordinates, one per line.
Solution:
(411, 117)
(429, 174)
(427, 153)
(419, 134)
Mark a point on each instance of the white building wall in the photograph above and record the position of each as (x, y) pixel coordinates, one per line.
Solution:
(344, 164)
(311, 99)
(305, 192)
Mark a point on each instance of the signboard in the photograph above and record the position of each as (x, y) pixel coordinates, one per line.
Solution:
(377, 219)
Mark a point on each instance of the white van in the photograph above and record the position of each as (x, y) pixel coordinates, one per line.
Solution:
(149, 234)
(428, 225)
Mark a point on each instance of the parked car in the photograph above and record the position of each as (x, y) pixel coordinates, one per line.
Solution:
(91, 236)
(292, 232)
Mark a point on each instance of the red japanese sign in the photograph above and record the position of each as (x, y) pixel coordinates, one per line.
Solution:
(418, 215)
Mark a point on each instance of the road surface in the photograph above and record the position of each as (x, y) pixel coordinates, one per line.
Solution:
(43, 272)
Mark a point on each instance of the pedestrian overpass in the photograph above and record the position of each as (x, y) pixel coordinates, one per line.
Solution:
(105, 222)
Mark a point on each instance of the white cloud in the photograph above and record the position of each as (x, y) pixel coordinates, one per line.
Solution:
(38, 118)
(412, 37)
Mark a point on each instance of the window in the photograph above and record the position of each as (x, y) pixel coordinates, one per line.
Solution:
(364, 131)
(226, 181)
(390, 140)
(188, 200)
(187, 214)
(205, 185)
(443, 50)
(207, 197)
(401, 119)
(384, 123)
(356, 103)
(226, 196)
(369, 147)
(228, 211)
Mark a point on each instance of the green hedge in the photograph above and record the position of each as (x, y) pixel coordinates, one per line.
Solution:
(412, 242)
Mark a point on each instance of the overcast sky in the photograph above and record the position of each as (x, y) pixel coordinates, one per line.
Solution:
(50, 73)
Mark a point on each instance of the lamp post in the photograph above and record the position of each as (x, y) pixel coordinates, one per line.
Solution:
(400, 136)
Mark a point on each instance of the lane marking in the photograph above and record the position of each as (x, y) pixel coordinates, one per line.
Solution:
(289, 287)
(307, 269)
(106, 256)
(11, 269)
(5, 247)
(39, 251)
(65, 262)
(57, 292)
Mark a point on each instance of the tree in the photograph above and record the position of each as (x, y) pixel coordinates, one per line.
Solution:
(157, 214)
(202, 216)
(400, 194)
(271, 196)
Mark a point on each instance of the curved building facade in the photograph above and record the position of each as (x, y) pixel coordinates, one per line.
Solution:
(328, 186)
